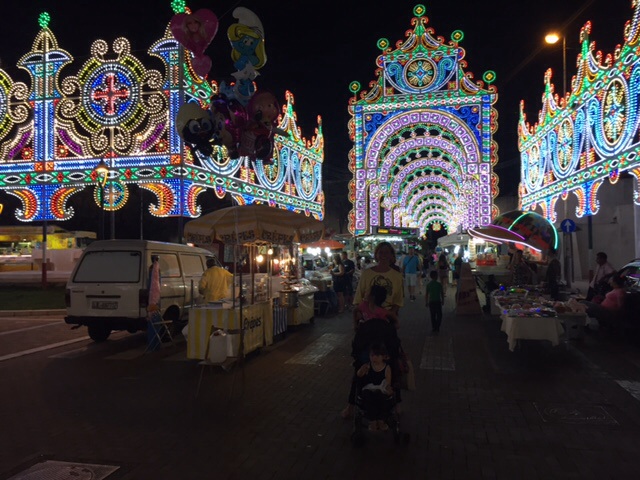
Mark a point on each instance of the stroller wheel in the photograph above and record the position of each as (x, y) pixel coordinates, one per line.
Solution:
(357, 439)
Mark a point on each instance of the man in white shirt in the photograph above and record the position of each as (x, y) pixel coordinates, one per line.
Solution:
(599, 284)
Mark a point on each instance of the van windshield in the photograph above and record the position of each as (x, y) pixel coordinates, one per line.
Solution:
(109, 267)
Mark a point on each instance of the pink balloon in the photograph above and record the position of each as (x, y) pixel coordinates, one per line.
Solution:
(201, 64)
(195, 31)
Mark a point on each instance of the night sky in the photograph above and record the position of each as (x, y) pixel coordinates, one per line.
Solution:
(315, 49)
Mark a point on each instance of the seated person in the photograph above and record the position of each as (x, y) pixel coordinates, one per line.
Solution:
(371, 307)
(607, 311)
(376, 392)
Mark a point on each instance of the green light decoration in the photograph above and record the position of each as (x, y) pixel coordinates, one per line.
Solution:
(43, 20)
(383, 44)
(457, 36)
(419, 10)
(178, 6)
(489, 76)
(354, 87)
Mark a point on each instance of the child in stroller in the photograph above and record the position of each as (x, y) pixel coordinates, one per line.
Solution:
(375, 393)
(375, 351)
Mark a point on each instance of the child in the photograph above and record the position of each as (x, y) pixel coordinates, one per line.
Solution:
(372, 307)
(377, 393)
(435, 299)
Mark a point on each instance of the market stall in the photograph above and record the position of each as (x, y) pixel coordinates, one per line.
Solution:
(528, 315)
(256, 234)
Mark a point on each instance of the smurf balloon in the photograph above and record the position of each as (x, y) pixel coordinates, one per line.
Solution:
(247, 40)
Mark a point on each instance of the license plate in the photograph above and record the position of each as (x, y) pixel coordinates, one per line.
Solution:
(104, 305)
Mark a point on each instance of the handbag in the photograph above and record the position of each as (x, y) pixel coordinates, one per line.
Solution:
(405, 366)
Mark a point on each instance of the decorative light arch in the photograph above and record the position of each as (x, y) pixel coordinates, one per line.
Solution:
(589, 135)
(55, 130)
(424, 124)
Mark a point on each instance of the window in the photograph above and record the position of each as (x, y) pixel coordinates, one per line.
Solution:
(169, 266)
(109, 267)
(192, 264)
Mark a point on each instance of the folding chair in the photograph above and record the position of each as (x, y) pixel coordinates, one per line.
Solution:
(158, 332)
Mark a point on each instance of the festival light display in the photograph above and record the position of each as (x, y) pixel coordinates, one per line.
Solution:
(588, 136)
(423, 150)
(54, 131)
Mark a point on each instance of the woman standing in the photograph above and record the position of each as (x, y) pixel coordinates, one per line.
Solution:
(339, 280)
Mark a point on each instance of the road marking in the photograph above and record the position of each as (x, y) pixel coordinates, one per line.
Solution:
(317, 350)
(437, 354)
(42, 349)
(26, 329)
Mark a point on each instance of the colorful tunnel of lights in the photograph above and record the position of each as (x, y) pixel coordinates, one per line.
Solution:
(423, 152)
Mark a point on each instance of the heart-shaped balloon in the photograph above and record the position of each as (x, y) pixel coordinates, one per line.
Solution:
(201, 64)
(195, 31)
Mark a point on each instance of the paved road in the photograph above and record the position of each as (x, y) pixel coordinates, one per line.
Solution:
(479, 411)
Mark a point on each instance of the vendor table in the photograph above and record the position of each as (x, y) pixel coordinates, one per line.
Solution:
(257, 320)
(531, 328)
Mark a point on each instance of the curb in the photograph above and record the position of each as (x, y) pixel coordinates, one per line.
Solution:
(31, 313)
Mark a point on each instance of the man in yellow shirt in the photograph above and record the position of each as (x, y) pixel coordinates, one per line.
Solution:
(215, 282)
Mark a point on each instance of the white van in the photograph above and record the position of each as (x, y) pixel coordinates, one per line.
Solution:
(109, 286)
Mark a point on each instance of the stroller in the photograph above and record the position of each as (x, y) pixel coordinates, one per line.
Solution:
(370, 406)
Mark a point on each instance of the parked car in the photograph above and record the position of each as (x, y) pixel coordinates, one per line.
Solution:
(631, 274)
(109, 287)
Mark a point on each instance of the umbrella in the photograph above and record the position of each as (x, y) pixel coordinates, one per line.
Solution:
(538, 232)
(253, 224)
(525, 228)
(324, 243)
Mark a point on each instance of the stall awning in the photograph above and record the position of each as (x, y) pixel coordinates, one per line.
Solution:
(523, 228)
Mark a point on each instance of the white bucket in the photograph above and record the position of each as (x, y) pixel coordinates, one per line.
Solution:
(218, 347)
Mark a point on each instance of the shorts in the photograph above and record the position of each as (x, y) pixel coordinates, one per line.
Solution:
(410, 279)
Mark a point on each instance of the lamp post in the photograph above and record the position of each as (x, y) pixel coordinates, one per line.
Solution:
(553, 38)
(101, 169)
(567, 253)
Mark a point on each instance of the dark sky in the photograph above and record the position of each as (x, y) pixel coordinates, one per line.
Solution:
(315, 49)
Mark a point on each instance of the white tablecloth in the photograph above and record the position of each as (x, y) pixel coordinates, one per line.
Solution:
(531, 328)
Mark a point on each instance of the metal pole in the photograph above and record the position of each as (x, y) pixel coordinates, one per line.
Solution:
(141, 212)
(101, 211)
(590, 244)
(181, 101)
(45, 45)
(564, 65)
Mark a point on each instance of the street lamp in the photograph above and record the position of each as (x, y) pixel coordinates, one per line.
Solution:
(101, 169)
(553, 38)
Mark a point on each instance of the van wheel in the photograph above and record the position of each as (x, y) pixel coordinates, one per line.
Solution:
(99, 333)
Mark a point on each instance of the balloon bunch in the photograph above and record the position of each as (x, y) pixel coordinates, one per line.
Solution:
(241, 119)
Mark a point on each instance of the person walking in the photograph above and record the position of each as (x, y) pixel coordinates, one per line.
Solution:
(457, 266)
(349, 270)
(443, 271)
(434, 300)
(410, 268)
(339, 280)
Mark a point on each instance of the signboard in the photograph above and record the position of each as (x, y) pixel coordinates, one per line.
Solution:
(400, 231)
(568, 225)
